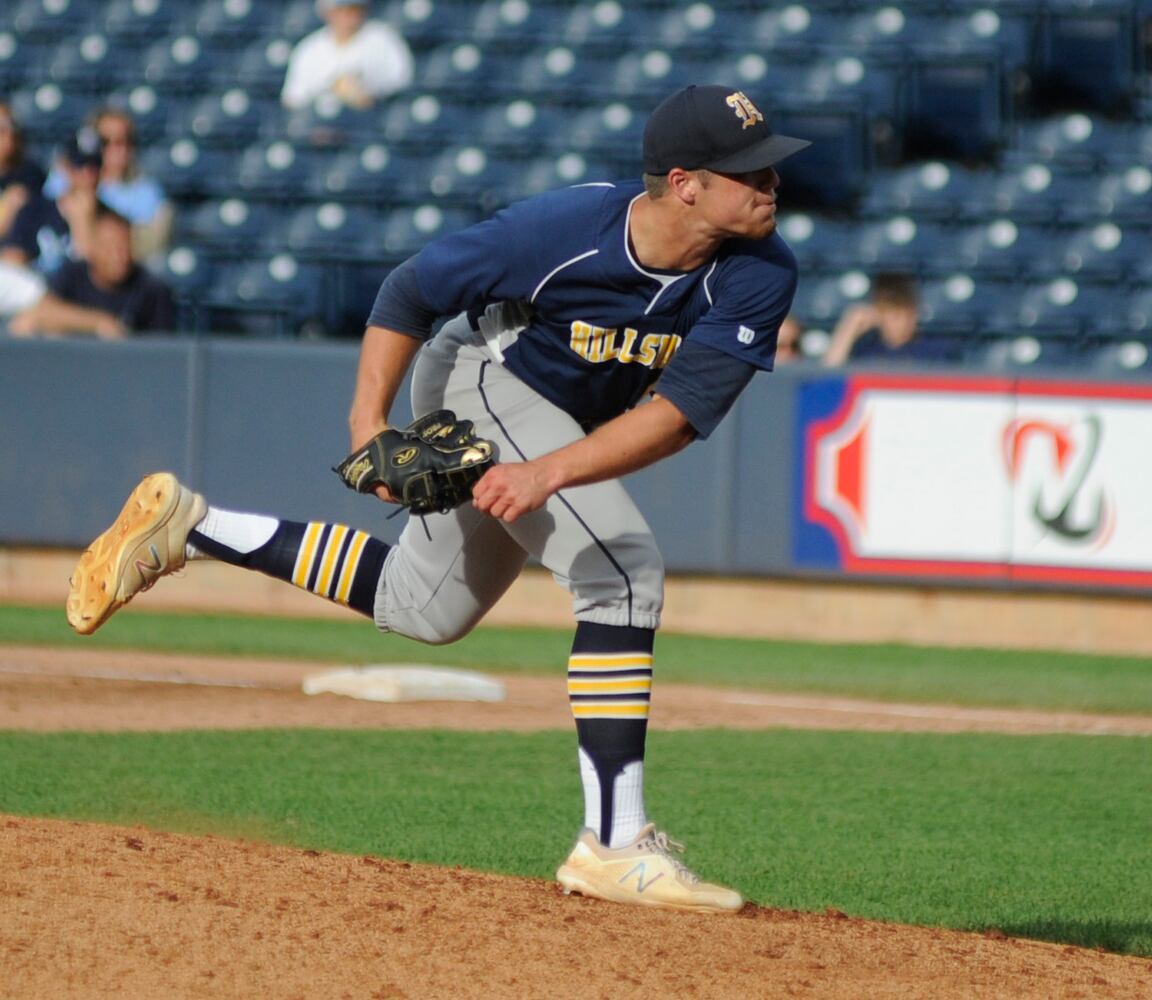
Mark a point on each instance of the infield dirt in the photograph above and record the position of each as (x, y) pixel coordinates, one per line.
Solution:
(90, 911)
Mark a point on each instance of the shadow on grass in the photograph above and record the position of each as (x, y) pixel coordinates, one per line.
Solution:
(1125, 938)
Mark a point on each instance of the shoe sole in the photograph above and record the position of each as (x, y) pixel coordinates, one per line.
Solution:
(96, 582)
(571, 883)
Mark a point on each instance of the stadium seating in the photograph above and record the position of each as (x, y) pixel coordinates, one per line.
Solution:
(1087, 55)
(87, 65)
(48, 20)
(1001, 151)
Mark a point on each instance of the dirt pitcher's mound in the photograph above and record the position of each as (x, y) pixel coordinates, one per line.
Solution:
(92, 911)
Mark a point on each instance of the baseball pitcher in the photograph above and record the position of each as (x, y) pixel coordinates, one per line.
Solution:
(596, 330)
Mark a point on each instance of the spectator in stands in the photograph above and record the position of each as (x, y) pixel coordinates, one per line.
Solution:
(47, 231)
(109, 282)
(356, 60)
(23, 294)
(788, 341)
(884, 328)
(122, 186)
(20, 177)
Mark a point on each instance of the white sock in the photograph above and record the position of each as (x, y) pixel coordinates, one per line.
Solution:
(628, 814)
(242, 532)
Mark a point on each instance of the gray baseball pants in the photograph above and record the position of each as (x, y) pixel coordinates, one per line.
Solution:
(439, 583)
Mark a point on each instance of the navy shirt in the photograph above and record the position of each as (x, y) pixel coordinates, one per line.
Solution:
(141, 302)
(42, 233)
(871, 348)
(598, 327)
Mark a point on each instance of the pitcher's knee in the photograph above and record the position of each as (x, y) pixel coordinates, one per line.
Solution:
(428, 627)
(623, 586)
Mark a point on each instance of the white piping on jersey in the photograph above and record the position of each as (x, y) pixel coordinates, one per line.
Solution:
(707, 290)
(560, 267)
(666, 280)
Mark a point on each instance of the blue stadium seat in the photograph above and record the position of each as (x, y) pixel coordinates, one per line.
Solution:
(464, 71)
(1034, 192)
(509, 25)
(821, 243)
(47, 113)
(226, 119)
(331, 230)
(423, 122)
(798, 30)
(407, 230)
(259, 68)
(695, 29)
(179, 64)
(48, 20)
(463, 176)
(845, 77)
(1102, 252)
(151, 112)
(138, 23)
(1136, 310)
(1070, 142)
(232, 23)
(835, 170)
(523, 128)
(296, 19)
(1021, 353)
(564, 75)
(327, 123)
(369, 174)
(1087, 57)
(931, 190)
(611, 132)
(1122, 196)
(189, 274)
(231, 228)
(998, 248)
(875, 33)
(822, 298)
(897, 244)
(596, 28)
(269, 297)
(271, 170)
(967, 302)
(185, 169)
(1121, 358)
(90, 64)
(977, 28)
(426, 24)
(1063, 308)
(954, 108)
(547, 173)
(20, 60)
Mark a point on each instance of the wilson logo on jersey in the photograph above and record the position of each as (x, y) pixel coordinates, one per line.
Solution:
(599, 344)
(745, 110)
(745, 335)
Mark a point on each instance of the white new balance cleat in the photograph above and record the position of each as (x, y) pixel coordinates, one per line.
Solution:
(145, 542)
(646, 872)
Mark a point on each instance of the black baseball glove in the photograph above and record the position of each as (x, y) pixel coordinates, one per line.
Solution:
(429, 466)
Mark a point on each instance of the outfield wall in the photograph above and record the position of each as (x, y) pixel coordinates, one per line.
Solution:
(967, 481)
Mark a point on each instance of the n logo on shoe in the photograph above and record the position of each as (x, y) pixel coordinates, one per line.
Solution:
(150, 572)
(639, 871)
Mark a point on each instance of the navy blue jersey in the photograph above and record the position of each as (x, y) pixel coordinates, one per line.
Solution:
(598, 327)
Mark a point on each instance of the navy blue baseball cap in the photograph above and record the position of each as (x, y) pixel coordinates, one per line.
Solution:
(712, 128)
(83, 149)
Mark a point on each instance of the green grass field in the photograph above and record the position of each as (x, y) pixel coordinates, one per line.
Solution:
(1055, 681)
(1040, 836)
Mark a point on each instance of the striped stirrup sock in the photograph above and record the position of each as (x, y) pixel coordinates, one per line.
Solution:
(609, 685)
(331, 560)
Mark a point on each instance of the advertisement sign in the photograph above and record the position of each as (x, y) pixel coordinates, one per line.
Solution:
(979, 478)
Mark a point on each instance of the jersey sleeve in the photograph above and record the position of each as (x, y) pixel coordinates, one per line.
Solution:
(703, 384)
(507, 257)
(751, 291)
